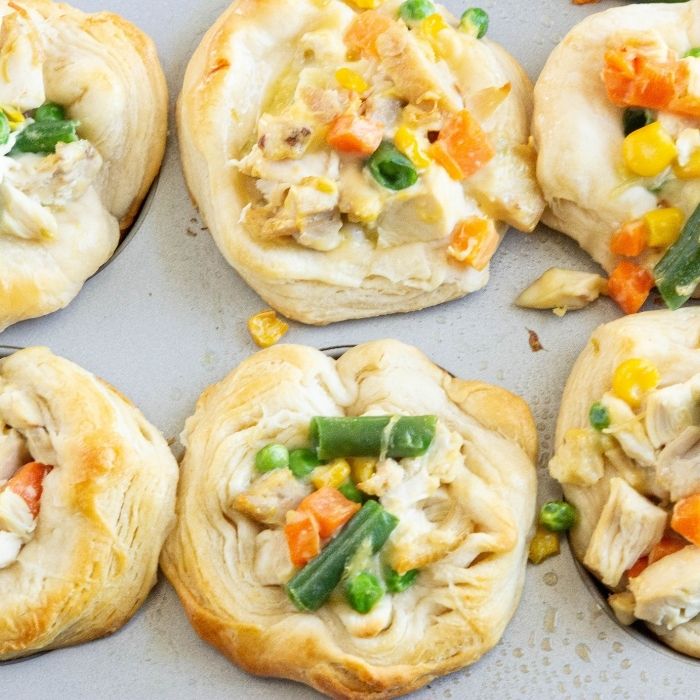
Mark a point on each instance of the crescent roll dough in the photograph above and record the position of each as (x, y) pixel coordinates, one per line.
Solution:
(62, 211)
(578, 129)
(283, 103)
(632, 481)
(87, 538)
(465, 512)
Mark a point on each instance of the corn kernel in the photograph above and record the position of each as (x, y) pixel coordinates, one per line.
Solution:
(433, 24)
(14, 116)
(543, 545)
(664, 226)
(407, 142)
(633, 379)
(350, 80)
(691, 169)
(362, 468)
(368, 4)
(266, 328)
(649, 150)
(333, 474)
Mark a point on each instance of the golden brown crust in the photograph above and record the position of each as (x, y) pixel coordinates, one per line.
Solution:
(457, 613)
(106, 508)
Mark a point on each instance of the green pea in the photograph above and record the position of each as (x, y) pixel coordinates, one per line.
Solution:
(303, 461)
(398, 583)
(363, 591)
(391, 169)
(634, 118)
(557, 516)
(4, 128)
(351, 492)
(693, 53)
(414, 10)
(50, 112)
(599, 416)
(475, 21)
(272, 456)
(42, 137)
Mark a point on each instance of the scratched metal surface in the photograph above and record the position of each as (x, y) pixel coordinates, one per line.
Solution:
(167, 317)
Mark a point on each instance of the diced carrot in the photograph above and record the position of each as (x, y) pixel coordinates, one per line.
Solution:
(462, 147)
(686, 518)
(303, 538)
(637, 81)
(667, 545)
(638, 567)
(630, 239)
(474, 241)
(329, 508)
(28, 483)
(683, 101)
(629, 285)
(361, 36)
(355, 135)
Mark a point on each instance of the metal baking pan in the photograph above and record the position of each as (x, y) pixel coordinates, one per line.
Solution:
(167, 317)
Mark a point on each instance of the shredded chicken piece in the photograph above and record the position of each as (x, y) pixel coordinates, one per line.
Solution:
(564, 289)
(579, 459)
(268, 498)
(678, 466)
(628, 430)
(629, 526)
(669, 411)
(272, 565)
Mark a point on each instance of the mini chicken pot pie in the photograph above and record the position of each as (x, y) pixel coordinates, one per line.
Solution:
(355, 163)
(628, 457)
(87, 494)
(358, 525)
(83, 110)
(617, 127)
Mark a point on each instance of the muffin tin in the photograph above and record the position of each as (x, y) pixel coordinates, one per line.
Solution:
(166, 317)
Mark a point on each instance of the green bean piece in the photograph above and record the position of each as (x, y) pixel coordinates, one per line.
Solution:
(398, 583)
(351, 492)
(677, 274)
(50, 112)
(272, 456)
(302, 462)
(599, 416)
(634, 118)
(364, 436)
(415, 10)
(475, 21)
(391, 169)
(557, 516)
(42, 137)
(363, 591)
(311, 587)
(4, 128)
(693, 53)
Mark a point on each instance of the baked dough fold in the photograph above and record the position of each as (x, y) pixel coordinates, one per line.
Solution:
(106, 507)
(462, 601)
(63, 213)
(648, 462)
(311, 231)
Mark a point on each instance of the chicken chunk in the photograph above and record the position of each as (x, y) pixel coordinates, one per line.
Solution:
(507, 190)
(672, 409)
(272, 565)
(24, 217)
(416, 75)
(678, 466)
(563, 289)
(360, 198)
(579, 459)
(13, 453)
(10, 546)
(428, 211)
(268, 498)
(629, 526)
(284, 136)
(628, 430)
(667, 593)
(322, 164)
